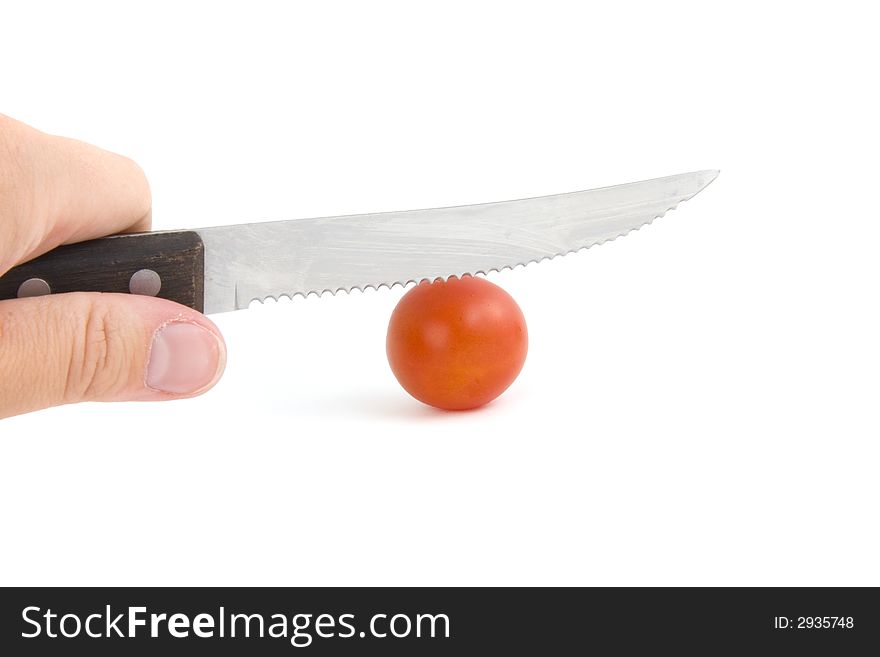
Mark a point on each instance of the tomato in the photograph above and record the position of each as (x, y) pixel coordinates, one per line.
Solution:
(456, 344)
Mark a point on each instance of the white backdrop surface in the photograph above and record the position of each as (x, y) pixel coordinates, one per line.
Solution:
(699, 404)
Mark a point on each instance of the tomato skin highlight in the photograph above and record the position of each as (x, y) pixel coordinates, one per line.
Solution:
(457, 344)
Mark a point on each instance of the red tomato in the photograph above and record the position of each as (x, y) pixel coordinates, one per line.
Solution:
(456, 344)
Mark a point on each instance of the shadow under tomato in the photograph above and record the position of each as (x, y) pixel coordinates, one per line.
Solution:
(374, 406)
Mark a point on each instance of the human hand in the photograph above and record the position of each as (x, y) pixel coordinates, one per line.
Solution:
(67, 348)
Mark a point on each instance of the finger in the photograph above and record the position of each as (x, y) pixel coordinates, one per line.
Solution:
(103, 347)
(55, 190)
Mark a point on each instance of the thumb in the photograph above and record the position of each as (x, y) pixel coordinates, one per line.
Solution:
(103, 347)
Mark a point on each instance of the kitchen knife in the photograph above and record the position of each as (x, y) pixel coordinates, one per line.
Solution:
(227, 267)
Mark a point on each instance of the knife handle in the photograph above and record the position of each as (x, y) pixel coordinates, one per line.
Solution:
(168, 264)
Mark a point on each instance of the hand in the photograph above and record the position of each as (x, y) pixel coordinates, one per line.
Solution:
(66, 348)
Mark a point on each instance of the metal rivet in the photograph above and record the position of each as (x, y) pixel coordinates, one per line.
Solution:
(146, 282)
(33, 287)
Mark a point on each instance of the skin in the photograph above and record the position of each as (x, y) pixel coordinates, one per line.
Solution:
(67, 348)
(458, 344)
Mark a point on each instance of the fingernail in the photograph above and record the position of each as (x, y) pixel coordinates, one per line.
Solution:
(184, 358)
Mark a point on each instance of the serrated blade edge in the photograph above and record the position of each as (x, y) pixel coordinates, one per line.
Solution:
(258, 261)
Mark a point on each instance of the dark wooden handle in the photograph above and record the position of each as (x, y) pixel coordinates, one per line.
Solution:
(170, 265)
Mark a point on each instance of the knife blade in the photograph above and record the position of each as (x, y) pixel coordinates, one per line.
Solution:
(225, 268)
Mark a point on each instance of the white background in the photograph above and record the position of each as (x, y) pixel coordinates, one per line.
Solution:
(699, 404)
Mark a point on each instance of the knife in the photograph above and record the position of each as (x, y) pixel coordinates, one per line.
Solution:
(225, 268)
